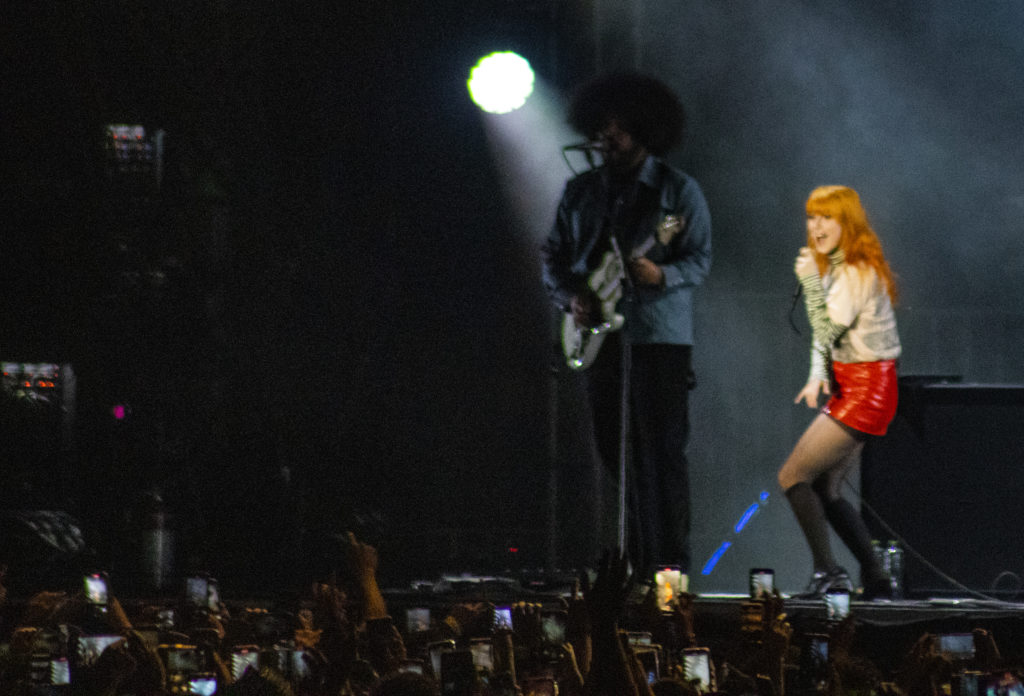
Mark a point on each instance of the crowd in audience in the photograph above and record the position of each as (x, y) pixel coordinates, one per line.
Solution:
(606, 636)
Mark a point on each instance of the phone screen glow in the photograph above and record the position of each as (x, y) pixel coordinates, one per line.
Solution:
(669, 585)
(697, 667)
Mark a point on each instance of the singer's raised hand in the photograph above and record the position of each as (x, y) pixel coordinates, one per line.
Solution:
(805, 265)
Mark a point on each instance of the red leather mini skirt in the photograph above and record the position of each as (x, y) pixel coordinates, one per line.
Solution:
(864, 395)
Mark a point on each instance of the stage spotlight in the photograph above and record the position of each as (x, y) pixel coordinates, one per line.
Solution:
(500, 82)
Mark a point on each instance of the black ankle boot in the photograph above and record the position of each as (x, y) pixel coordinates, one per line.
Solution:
(822, 582)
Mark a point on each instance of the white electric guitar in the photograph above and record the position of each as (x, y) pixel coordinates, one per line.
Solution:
(581, 345)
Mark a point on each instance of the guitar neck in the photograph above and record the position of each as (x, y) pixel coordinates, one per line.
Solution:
(642, 250)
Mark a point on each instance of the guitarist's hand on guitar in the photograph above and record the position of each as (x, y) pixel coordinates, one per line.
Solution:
(585, 310)
(646, 272)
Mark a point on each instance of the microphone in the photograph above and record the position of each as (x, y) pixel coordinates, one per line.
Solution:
(585, 146)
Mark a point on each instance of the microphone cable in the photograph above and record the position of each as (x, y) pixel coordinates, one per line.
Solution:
(953, 582)
(587, 148)
(792, 307)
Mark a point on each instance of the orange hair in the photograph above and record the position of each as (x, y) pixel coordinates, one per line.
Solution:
(858, 241)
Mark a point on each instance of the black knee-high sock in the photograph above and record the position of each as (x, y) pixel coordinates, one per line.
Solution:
(850, 527)
(810, 513)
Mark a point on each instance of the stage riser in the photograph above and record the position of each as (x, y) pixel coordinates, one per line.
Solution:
(949, 479)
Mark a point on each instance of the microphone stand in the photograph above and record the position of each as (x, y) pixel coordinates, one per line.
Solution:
(624, 201)
(624, 412)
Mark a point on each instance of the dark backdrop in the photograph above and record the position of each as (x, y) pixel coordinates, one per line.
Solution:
(328, 318)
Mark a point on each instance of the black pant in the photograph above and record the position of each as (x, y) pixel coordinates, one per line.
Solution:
(658, 484)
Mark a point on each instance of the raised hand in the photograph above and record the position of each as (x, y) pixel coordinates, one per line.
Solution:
(362, 562)
(986, 652)
(777, 635)
(682, 615)
(571, 683)
(606, 598)
(611, 671)
(577, 628)
(924, 668)
(805, 265)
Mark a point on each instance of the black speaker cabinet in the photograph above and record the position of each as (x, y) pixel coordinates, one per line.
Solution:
(948, 477)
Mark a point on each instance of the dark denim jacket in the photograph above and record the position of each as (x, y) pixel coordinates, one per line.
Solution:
(589, 212)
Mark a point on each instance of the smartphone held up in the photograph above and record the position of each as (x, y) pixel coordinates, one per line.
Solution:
(762, 583)
(669, 582)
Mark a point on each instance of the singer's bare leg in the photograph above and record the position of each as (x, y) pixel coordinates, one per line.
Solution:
(824, 446)
(811, 477)
(824, 456)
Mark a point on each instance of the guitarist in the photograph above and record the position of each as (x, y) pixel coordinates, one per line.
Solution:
(632, 196)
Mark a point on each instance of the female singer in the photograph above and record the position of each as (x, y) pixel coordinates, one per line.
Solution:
(849, 292)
